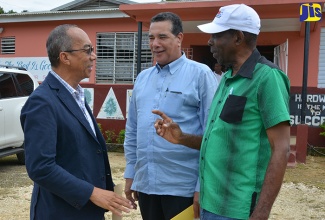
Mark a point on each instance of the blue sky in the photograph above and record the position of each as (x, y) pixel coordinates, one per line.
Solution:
(40, 5)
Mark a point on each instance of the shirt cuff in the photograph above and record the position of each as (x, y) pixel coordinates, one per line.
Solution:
(197, 187)
(129, 171)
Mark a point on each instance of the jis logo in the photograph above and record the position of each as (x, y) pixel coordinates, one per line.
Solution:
(310, 12)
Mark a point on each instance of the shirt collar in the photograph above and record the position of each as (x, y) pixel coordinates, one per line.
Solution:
(66, 85)
(247, 69)
(173, 66)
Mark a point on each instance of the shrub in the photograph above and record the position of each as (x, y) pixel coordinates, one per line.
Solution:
(120, 137)
(110, 136)
(100, 128)
(323, 127)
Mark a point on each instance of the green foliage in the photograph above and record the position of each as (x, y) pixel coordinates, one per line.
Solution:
(100, 127)
(323, 127)
(120, 137)
(110, 136)
(11, 12)
(2, 11)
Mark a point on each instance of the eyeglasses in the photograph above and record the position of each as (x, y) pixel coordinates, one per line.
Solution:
(89, 50)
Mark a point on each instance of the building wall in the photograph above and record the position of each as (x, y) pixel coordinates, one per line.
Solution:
(31, 39)
(100, 92)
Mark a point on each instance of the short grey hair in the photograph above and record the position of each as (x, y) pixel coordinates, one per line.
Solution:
(58, 41)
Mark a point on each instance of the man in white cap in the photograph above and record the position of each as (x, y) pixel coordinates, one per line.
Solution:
(245, 146)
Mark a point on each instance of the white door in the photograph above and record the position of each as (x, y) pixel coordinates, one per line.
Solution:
(281, 56)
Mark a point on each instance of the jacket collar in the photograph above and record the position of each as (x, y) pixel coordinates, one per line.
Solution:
(66, 98)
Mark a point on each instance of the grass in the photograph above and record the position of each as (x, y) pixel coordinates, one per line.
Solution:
(311, 174)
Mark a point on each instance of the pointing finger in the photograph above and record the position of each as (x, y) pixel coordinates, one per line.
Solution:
(162, 115)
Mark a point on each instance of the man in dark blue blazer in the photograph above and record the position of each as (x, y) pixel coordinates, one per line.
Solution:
(66, 155)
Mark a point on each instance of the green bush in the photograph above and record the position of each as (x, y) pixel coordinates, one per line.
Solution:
(323, 127)
(120, 137)
(100, 127)
(110, 136)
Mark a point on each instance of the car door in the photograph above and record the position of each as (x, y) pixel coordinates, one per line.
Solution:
(24, 86)
(2, 115)
(15, 89)
(8, 94)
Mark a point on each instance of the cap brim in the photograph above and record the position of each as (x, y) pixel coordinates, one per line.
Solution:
(212, 28)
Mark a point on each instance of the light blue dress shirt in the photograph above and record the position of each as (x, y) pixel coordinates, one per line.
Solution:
(183, 90)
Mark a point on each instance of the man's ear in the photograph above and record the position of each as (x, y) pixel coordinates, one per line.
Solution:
(64, 58)
(180, 37)
(239, 37)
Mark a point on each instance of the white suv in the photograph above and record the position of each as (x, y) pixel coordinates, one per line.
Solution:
(16, 84)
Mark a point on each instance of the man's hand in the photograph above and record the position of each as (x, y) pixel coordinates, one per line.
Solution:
(129, 193)
(171, 131)
(110, 201)
(166, 128)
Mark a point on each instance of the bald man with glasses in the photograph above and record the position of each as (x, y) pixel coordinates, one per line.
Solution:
(66, 154)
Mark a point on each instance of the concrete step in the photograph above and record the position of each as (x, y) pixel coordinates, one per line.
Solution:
(291, 165)
(292, 157)
(293, 140)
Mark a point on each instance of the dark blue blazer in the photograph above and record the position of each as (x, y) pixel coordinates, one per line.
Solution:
(63, 156)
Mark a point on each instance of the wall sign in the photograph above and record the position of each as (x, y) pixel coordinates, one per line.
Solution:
(38, 66)
(315, 109)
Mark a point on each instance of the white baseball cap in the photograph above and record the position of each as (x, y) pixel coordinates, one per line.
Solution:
(237, 16)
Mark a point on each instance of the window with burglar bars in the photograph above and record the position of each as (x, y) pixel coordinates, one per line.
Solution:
(117, 57)
(188, 52)
(8, 45)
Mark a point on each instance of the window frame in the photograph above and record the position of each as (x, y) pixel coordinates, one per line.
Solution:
(8, 45)
(117, 56)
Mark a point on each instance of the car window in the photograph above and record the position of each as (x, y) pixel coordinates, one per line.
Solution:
(25, 84)
(15, 85)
